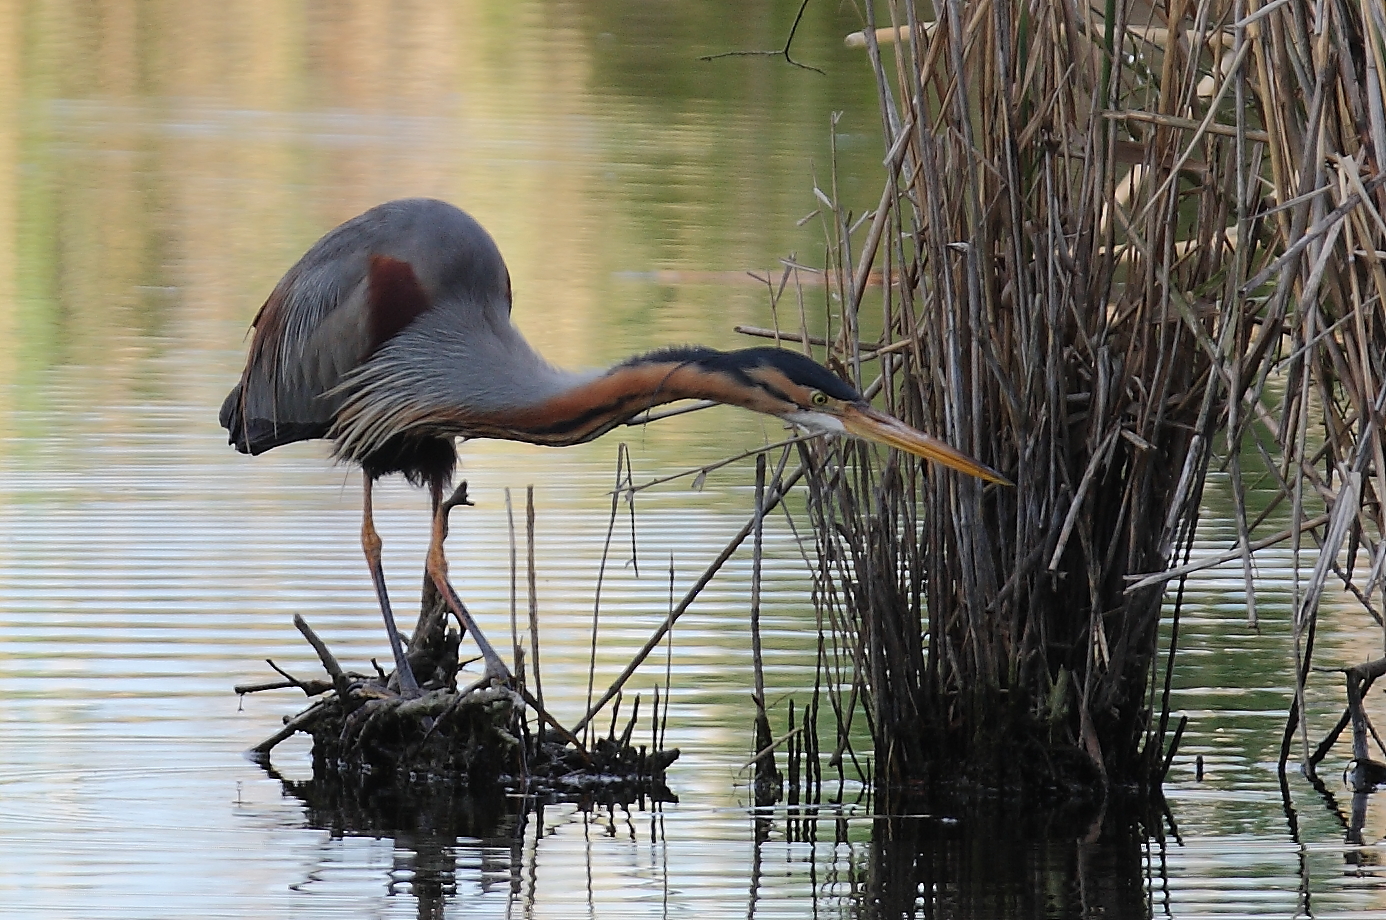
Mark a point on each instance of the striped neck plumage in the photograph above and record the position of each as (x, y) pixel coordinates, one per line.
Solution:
(593, 405)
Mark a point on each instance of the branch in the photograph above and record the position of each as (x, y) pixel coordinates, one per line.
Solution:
(782, 52)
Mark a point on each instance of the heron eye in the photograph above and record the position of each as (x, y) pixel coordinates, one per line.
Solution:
(818, 398)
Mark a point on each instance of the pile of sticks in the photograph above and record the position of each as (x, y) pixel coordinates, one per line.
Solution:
(366, 734)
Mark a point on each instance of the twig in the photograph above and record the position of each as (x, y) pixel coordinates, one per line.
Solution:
(782, 52)
(869, 350)
(309, 687)
(762, 721)
(533, 603)
(668, 666)
(1097, 462)
(1320, 227)
(770, 748)
(243, 689)
(621, 477)
(514, 586)
(701, 471)
(298, 723)
(329, 663)
(1155, 578)
(1172, 121)
(779, 336)
(568, 736)
(652, 415)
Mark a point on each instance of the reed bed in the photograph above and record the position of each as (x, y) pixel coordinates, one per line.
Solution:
(1122, 247)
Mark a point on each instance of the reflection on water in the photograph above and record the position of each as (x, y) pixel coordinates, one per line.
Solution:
(984, 863)
(161, 165)
(429, 831)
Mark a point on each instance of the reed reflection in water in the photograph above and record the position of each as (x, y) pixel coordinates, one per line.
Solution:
(837, 859)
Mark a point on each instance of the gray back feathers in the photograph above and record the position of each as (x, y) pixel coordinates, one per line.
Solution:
(390, 322)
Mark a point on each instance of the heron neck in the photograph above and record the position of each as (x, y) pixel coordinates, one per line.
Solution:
(586, 406)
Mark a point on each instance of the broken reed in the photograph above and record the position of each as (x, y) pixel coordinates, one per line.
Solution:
(1117, 248)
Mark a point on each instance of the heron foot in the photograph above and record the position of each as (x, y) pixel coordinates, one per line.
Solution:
(408, 686)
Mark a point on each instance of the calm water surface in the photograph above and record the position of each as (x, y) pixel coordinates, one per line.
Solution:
(162, 164)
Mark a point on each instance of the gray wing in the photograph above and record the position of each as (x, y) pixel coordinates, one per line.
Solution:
(351, 293)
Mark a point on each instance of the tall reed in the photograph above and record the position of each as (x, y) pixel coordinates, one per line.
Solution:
(1121, 246)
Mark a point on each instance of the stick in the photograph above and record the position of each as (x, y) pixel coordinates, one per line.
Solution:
(1145, 581)
(781, 52)
(301, 721)
(309, 687)
(533, 605)
(651, 415)
(758, 528)
(702, 471)
(567, 736)
(329, 663)
(601, 573)
(514, 588)
(769, 748)
(762, 333)
(1172, 121)
(668, 666)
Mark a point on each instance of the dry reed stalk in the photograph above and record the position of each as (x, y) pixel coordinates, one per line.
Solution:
(623, 484)
(531, 577)
(1117, 243)
(516, 650)
(767, 778)
(662, 723)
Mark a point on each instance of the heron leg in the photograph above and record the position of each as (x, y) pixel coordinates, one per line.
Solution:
(437, 572)
(370, 544)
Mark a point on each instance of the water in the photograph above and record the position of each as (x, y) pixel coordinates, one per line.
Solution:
(163, 165)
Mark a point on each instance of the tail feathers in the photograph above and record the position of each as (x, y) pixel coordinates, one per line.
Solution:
(251, 435)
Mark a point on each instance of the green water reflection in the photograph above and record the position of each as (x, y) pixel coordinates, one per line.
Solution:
(161, 164)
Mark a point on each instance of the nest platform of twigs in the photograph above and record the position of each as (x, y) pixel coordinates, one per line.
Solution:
(366, 735)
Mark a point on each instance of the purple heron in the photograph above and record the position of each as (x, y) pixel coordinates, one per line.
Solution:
(392, 338)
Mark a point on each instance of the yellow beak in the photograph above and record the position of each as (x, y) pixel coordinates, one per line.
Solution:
(865, 422)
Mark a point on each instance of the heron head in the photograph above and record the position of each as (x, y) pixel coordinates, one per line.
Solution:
(804, 393)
